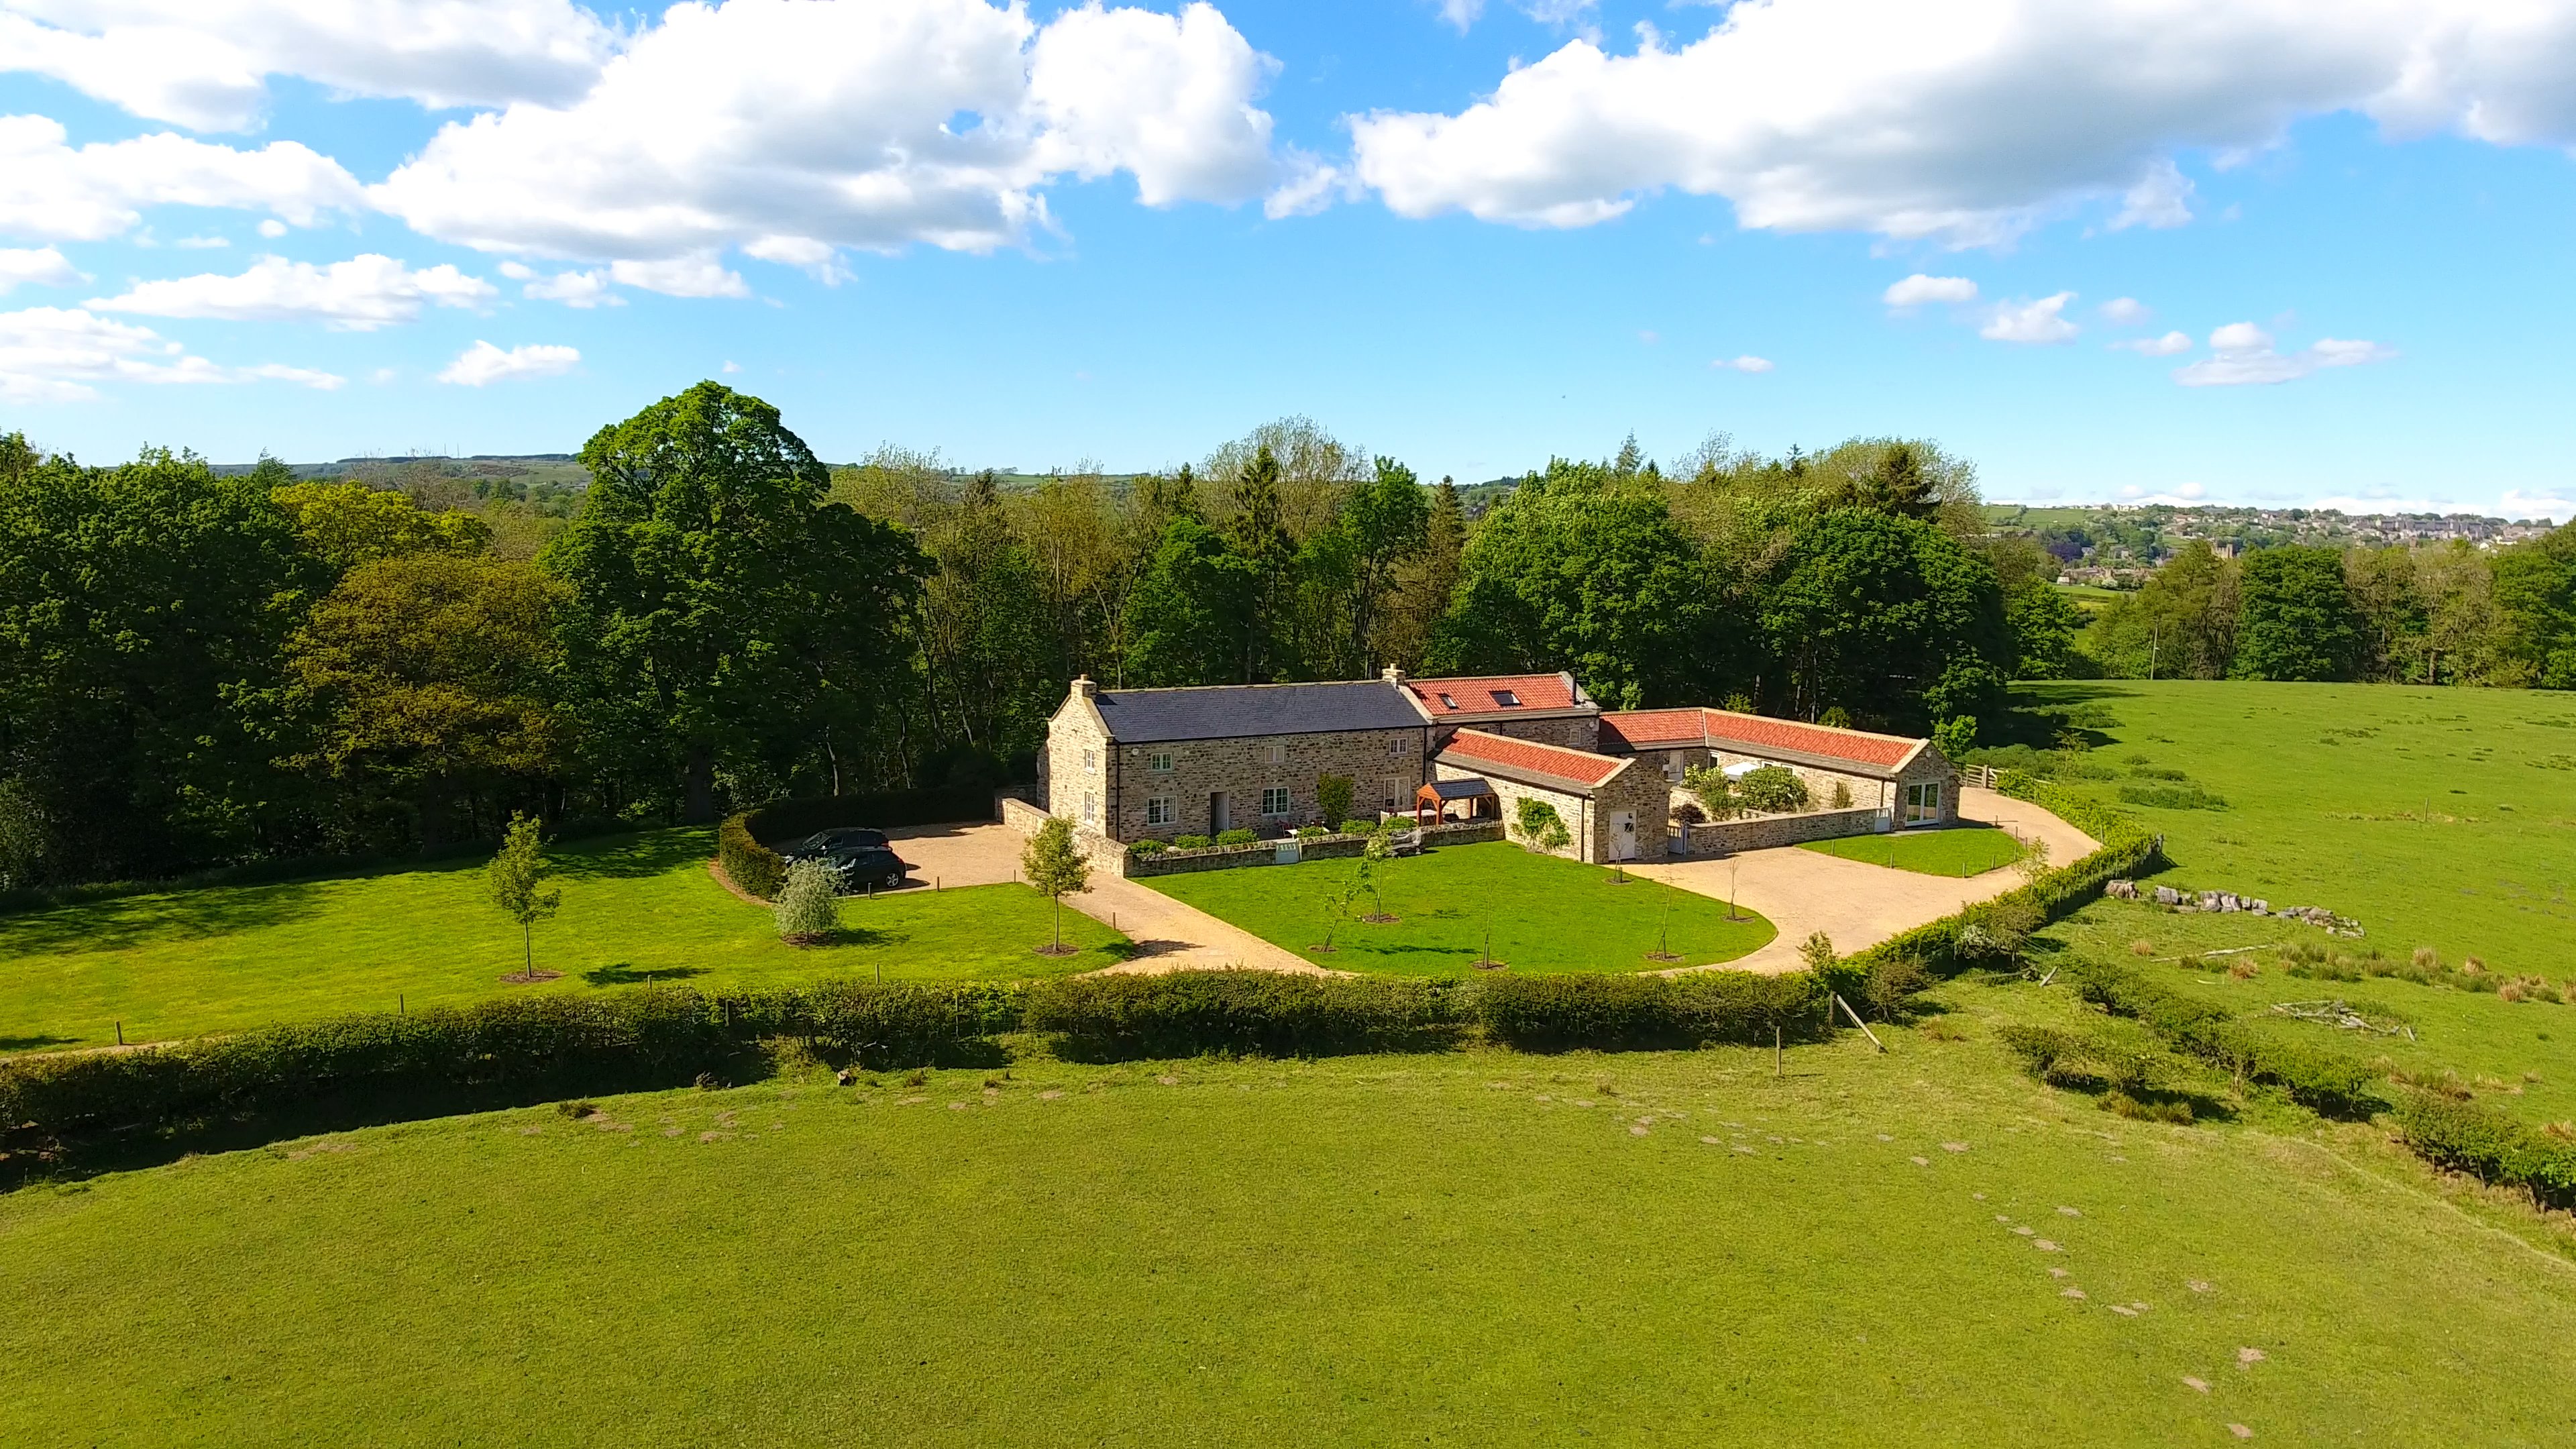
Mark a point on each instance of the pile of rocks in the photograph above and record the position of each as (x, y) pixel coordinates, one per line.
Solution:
(2229, 902)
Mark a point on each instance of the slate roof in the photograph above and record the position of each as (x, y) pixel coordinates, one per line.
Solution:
(1476, 749)
(1232, 711)
(1755, 734)
(1467, 695)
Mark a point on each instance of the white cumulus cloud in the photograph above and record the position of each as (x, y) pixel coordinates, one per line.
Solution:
(42, 267)
(896, 122)
(2242, 355)
(1968, 121)
(2517, 504)
(54, 354)
(484, 363)
(2041, 321)
(1918, 289)
(51, 191)
(1746, 363)
(204, 64)
(2172, 344)
(2125, 311)
(359, 295)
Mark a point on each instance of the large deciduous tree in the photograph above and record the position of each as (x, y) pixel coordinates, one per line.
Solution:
(141, 612)
(1583, 571)
(2535, 599)
(711, 580)
(2298, 620)
(1888, 618)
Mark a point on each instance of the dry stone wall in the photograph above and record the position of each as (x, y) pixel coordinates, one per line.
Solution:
(1763, 832)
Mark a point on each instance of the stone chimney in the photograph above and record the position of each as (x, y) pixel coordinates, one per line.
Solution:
(1084, 688)
(1393, 675)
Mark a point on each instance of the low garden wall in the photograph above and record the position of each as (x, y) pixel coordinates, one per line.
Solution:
(1319, 847)
(1762, 832)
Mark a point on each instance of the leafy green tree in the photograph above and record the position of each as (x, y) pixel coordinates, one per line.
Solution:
(1424, 584)
(1191, 610)
(1053, 864)
(1889, 618)
(1258, 536)
(2298, 619)
(1583, 571)
(141, 612)
(1773, 790)
(808, 908)
(711, 580)
(2535, 599)
(1333, 796)
(1389, 518)
(1956, 736)
(347, 524)
(1714, 791)
(516, 882)
(2182, 625)
(422, 685)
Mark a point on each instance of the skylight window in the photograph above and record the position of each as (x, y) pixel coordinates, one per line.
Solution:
(1448, 703)
(1507, 699)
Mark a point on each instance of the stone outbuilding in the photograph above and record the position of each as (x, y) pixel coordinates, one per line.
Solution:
(1909, 780)
(1613, 809)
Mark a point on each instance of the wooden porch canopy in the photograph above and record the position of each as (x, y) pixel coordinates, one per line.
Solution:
(1439, 794)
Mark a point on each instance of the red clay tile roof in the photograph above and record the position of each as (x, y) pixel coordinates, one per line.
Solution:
(1581, 766)
(1645, 727)
(1753, 734)
(1475, 695)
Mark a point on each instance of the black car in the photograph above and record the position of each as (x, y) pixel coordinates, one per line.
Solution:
(859, 857)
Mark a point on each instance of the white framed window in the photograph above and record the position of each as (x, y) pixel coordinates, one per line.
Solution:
(1447, 702)
(1395, 744)
(1158, 810)
(1278, 754)
(1922, 802)
(1090, 809)
(1160, 762)
(1091, 759)
(1387, 804)
(1673, 768)
(1274, 800)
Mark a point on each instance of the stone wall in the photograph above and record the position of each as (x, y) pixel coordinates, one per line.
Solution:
(1322, 847)
(1762, 832)
(1581, 732)
(1867, 791)
(1589, 819)
(1103, 853)
(1573, 809)
(1384, 766)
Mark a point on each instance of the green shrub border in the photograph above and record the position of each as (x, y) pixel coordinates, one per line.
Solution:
(2476, 1139)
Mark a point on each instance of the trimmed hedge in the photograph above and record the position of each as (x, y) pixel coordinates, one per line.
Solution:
(901, 1024)
(1186, 1013)
(2322, 1081)
(750, 865)
(1558, 1013)
(1946, 947)
(2485, 1143)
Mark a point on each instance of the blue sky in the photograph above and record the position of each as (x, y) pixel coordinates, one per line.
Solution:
(1557, 229)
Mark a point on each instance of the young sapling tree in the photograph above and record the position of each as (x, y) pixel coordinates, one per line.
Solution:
(1054, 865)
(516, 880)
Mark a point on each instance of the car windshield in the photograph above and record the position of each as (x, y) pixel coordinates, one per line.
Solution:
(844, 839)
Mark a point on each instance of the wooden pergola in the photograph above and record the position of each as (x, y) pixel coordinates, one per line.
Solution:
(1440, 794)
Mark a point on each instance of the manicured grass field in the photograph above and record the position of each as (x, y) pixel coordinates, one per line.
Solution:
(1476, 1248)
(1545, 914)
(1967, 850)
(635, 908)
(2435, 817)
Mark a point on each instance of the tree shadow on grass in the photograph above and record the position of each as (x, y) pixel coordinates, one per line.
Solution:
(621, 974)
(123, 922)
(34, 1043)
(629, 857)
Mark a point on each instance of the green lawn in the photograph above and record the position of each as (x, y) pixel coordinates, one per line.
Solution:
(1474, 1248)
(1545, 914)
(635, 908)
(1964, 850)
(2435, 817)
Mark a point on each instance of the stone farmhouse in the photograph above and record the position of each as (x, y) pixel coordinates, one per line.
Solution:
(1135, 764)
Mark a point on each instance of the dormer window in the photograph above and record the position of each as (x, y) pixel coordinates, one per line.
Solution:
(1448, 703)
(1507, 699)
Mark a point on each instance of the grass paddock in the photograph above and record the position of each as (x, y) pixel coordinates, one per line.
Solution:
(1962, 850)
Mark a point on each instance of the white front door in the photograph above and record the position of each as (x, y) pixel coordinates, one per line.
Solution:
(1623, 835)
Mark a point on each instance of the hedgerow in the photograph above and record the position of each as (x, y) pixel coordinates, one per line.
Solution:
(2322, 1081)
(2476, 1139)
(753, 867)
(1187, 1013)
(1609, 1012)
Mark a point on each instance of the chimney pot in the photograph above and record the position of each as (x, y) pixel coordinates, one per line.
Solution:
(1083, 686)
(1393, 675)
